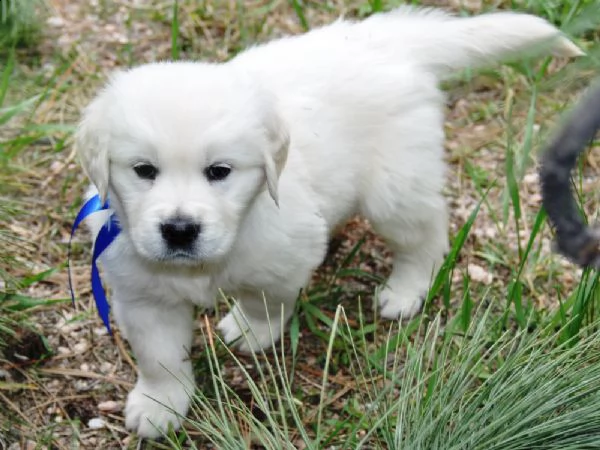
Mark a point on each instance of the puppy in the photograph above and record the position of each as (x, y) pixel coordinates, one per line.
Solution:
(232, 177)
(574, 239)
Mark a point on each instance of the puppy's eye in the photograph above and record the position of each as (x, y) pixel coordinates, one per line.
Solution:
(146, 171)
(217, 172)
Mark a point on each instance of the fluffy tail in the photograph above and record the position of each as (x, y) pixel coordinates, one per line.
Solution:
(444, 43)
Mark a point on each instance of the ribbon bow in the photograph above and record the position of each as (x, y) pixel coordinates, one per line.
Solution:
(108, 233)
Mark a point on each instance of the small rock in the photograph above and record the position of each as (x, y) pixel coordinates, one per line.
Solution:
(28, 445)
(490, 232)
(469, 5)
(100, 331)
(80, 347)
(48, 67)
(70, 327)
(55, 21)
(478, 273)
(56, 167)
(96, 423)
(535, 199)
(531, 178)
(106, 367)
(81, 385)
(109, 406)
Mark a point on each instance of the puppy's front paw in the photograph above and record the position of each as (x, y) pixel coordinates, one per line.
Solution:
(149, 411)
(246, 333)
(400, 303)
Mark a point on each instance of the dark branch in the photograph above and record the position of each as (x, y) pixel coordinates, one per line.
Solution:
(574, 239)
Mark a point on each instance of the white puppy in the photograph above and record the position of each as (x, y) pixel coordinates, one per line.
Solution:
(232, 176)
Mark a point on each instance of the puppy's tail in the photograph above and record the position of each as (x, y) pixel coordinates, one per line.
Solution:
(444, 43)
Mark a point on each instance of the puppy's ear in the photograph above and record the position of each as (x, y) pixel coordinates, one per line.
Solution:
(92, 139)
(276, 154)
(91, 144)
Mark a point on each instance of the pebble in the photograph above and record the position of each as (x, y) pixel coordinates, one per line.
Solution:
(478, 273)
(470, 5)
(80, 347)
(106, 367)
(55, 21)
(109, 406)
(96, 423)
(531, 178)
(81, 385)
(101, 331)
(29, 445)
(56, 167)
(535, 199)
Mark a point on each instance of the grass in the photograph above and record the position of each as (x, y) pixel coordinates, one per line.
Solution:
(503, 356)
(19, 23)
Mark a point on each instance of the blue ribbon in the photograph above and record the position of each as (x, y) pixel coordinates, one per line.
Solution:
(109, 231)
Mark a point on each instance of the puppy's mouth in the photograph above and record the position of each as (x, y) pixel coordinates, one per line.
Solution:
(180, 255)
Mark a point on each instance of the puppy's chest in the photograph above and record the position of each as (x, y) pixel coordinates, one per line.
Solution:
(196, 289)
(178, 286)
(202, 290)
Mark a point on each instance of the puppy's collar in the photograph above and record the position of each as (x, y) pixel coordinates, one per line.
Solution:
(108, 233)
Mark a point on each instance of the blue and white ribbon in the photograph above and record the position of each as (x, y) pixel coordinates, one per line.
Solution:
(108, 233)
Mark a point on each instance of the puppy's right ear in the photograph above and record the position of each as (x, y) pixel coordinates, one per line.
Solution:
(91, 144)
(93, 136)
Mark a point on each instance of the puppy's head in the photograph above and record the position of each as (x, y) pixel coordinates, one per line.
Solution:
(182, 150)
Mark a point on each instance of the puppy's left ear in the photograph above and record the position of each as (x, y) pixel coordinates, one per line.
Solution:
(276, 155)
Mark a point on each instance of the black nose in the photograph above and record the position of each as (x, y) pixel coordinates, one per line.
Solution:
(179, 232)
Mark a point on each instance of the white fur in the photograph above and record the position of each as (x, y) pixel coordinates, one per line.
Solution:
(342, 120)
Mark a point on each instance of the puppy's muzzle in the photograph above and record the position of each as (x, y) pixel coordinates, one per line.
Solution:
(180, 233)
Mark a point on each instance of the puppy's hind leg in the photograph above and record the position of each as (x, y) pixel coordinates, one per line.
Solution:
(419, 249)
(401, 195)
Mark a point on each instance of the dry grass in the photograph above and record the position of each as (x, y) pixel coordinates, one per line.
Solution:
(50, 388)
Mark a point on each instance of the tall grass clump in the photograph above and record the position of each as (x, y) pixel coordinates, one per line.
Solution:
(438, 388)
(19, 23)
